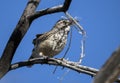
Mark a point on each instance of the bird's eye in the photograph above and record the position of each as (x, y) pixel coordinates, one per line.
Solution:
(60, 22)
(63, 22)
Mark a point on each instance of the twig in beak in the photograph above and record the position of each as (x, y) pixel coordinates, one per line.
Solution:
(81, 31)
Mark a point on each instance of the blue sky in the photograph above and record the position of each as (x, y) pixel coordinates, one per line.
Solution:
(100, 19)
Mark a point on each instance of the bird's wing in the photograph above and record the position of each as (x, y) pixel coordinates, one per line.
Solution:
(35, 40)
(38, 35)
(42, 37)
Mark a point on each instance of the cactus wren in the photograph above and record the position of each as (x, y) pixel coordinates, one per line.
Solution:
(52, 43)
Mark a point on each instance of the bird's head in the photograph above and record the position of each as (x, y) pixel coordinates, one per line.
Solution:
(63, 23)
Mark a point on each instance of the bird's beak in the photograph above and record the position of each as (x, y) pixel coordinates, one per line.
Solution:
(71, 22)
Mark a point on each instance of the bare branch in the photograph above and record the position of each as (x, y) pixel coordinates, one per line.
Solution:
(55, 9)
(16, 37)
(66, 5)
(110, 70)
(37, 14)
(59, 62)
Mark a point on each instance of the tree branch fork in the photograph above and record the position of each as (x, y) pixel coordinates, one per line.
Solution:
(28, 16)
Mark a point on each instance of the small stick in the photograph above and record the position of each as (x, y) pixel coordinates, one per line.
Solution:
(81, 31)
(68, 44)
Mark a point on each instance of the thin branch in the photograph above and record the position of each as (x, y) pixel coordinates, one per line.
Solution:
(66, 5)
(46, 11)
(55, 9)
(58, 62)
(69, 44)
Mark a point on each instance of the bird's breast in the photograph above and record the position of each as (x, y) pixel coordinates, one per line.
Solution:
(54, 44)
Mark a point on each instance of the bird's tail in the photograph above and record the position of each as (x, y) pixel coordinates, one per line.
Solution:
(31, 57)
(34, 56)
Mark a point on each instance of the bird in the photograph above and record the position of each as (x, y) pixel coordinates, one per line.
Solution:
(51, 43)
